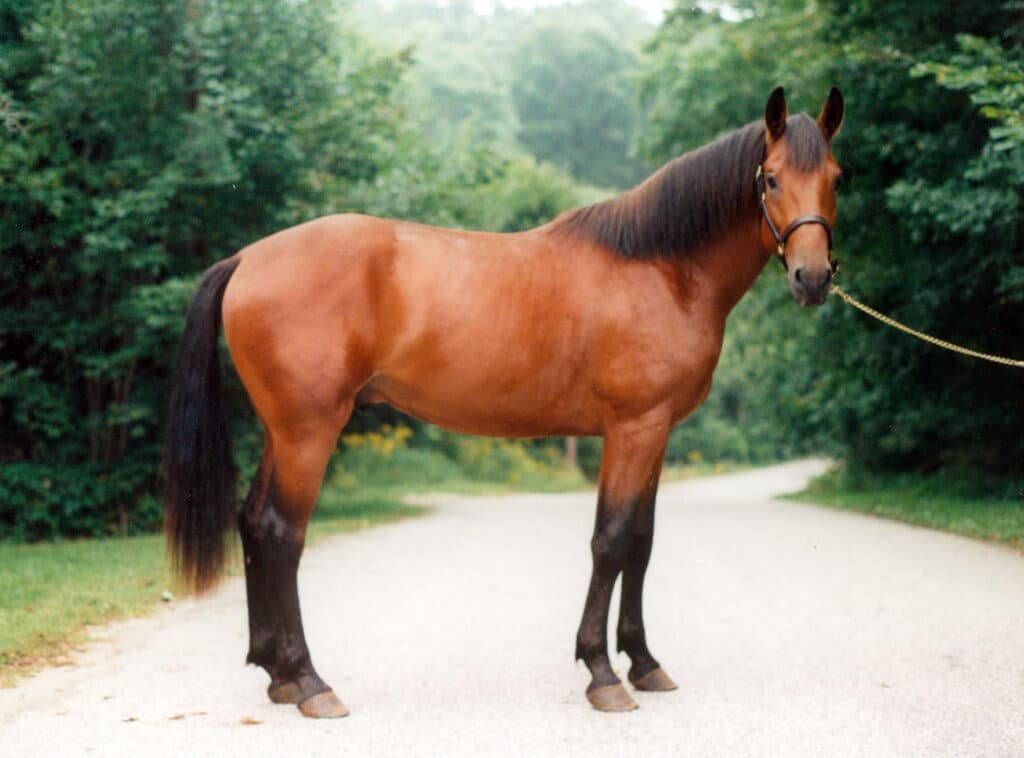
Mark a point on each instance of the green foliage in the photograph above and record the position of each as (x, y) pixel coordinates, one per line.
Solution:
(929, 226)
(39, 501)
(383, 456)
(589, 455)
(527, 195)
(458, 82)
(995, 84)
(703, 75)
(707, 437)
(141, 143)
(397, 457)
(554, 82)
(954, 501)
(573, 94)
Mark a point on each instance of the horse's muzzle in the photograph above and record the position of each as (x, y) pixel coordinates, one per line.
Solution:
(810, 286)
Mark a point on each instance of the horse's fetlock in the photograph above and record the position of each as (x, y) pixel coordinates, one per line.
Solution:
(590, 643)
(630, 634)
(261, 652)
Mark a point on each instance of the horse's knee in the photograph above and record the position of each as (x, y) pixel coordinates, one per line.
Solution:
(612, 540)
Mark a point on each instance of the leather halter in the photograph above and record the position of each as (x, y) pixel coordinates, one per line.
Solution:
(795, 224)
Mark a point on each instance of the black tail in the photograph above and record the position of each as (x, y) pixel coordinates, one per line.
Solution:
(199, 500)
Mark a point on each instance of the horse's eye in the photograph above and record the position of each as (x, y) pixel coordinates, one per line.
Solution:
(772, 184)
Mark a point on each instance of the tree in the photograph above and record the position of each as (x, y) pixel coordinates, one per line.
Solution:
(704, 75)
(931, 228)
(929, 223)
(573, 95)
(553, 82)
(144, 141)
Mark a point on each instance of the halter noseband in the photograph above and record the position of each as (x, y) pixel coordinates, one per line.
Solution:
(793, 225)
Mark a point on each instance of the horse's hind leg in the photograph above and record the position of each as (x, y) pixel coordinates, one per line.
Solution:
(261, 629)
(276, 536)
(262, 626)
(632, 459)
(645, 672)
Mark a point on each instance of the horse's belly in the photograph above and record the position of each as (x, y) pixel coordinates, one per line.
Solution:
(522, 412)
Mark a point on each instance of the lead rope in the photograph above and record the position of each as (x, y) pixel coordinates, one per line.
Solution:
(921, 335)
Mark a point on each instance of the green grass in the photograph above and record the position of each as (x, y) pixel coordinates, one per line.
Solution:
(50, 593)
(947, 502)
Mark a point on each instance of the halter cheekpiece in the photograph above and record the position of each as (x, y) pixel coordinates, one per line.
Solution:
(759, 180)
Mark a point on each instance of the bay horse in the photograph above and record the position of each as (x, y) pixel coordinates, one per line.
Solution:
(607, 321)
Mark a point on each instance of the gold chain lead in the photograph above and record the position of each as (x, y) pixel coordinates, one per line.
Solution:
(921, 335)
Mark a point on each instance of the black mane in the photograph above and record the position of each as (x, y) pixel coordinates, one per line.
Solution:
(692, 199)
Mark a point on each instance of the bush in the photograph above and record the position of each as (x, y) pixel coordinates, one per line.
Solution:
(39, 501)
(395, 455)
(384, 457)
(709, 438)
(588, 453)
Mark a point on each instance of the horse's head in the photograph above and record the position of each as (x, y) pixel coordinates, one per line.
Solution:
(796, 186)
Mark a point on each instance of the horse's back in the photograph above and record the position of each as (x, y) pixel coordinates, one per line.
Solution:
(505, 334)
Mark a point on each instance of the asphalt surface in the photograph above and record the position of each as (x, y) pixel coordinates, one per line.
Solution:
(792, 630)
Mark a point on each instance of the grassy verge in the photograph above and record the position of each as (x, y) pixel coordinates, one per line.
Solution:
(50, 593)
(945, 502)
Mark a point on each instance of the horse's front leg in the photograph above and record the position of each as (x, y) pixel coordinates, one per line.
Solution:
(645, 672)
(630, 466)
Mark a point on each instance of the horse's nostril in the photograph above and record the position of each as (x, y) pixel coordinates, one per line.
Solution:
(828, 278)
(798, 275)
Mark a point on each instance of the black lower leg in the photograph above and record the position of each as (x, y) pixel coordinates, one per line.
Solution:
(609, 548)
(631, 635)
(261, 632)
(280, 550)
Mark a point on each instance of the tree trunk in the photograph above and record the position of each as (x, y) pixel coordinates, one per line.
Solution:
(572, 459)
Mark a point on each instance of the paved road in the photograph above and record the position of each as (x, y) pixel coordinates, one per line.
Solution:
(792, 631)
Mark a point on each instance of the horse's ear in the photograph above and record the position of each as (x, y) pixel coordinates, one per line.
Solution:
(775, 113)
(831, 116)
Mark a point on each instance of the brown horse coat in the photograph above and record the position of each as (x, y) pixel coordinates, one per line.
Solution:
(607, 321)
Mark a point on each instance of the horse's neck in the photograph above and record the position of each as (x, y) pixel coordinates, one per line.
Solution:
(727, 268)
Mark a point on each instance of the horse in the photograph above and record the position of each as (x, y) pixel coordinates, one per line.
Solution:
(606, 321)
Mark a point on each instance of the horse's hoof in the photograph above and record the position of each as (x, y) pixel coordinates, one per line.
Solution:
(654, 681)
(611, 697)
(288, 692)
(326, 705)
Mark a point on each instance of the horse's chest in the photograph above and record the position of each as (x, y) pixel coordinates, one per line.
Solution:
(671, 370)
